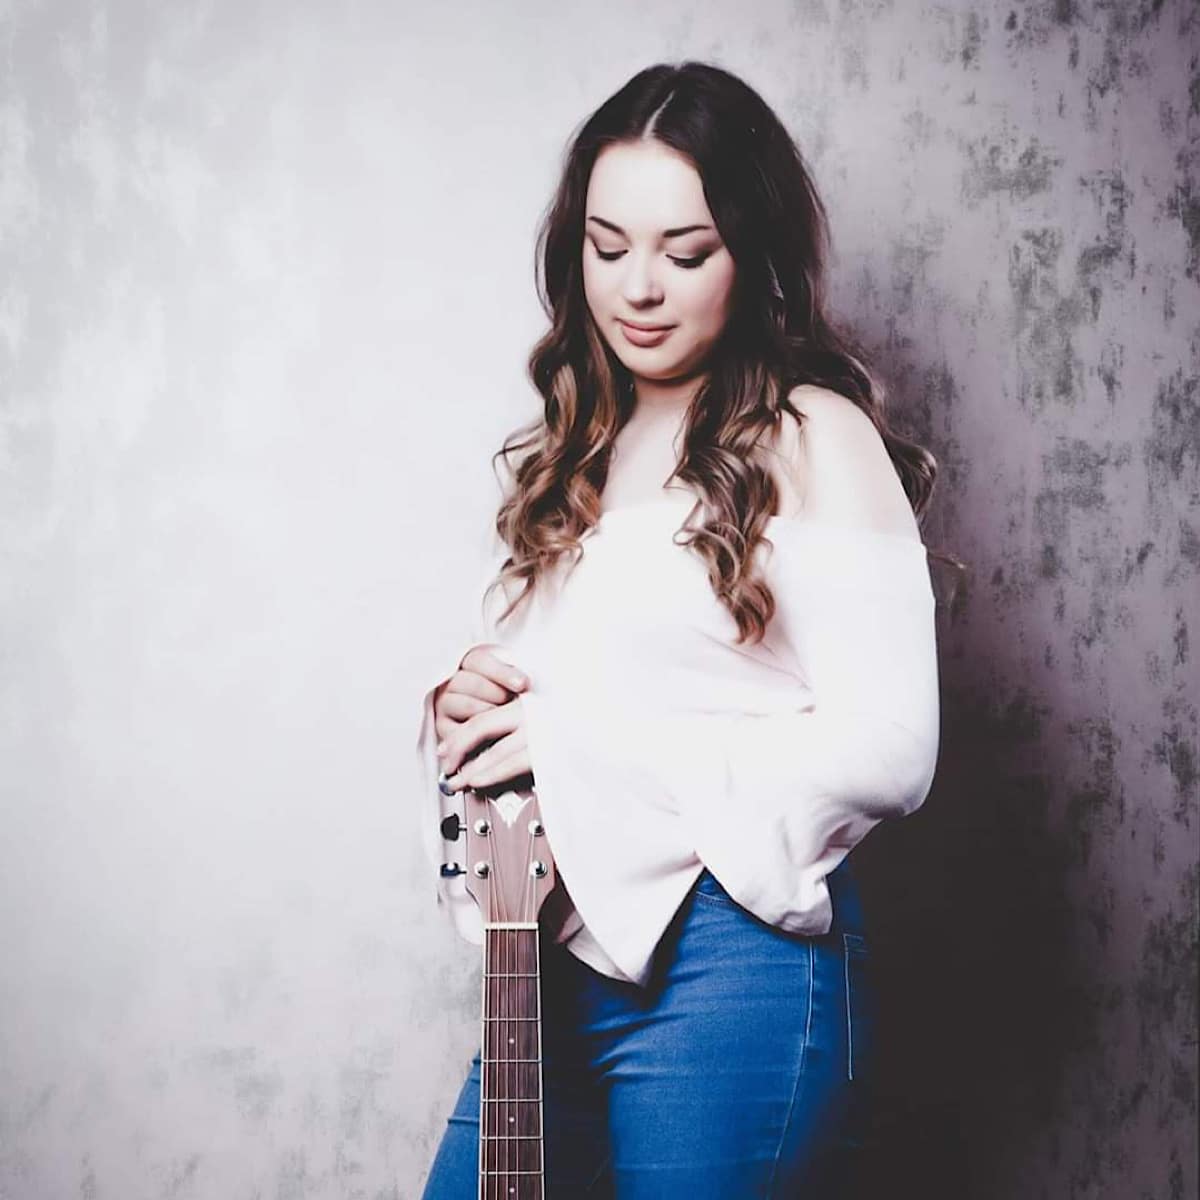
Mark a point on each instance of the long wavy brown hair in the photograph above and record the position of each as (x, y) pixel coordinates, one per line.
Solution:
(778, 336)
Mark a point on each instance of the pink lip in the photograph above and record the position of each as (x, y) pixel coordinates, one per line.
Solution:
(642, 336)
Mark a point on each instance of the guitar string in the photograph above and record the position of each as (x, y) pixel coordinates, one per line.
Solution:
(534, 984)
(527, 997)
(485, 1075)
(489, 1182)
(501, 1055)
(483, 1007)
(511, 1147)
(520, 998)
(498, 1031)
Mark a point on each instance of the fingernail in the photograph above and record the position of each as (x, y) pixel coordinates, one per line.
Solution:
(441, 747)
(517, 680)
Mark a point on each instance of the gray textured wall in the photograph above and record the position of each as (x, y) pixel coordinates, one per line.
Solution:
(265, 300)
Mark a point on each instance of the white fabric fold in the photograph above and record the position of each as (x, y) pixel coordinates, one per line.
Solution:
(612, 824)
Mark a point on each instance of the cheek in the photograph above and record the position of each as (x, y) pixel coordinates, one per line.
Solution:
(594, 290)
(706, 300)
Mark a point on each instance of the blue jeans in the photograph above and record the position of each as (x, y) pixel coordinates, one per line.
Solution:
(742, 1071)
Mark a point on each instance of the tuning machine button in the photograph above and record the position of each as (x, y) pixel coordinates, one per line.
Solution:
(450, 869)
(452, 827)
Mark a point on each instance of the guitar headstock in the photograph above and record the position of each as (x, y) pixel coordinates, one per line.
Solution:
(508, 864)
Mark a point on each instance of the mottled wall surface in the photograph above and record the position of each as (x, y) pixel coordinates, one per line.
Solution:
(265, 301)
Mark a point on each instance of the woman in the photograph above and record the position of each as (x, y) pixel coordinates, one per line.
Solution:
(711, 728)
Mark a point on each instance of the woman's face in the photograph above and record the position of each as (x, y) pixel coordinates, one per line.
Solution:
(652, 256)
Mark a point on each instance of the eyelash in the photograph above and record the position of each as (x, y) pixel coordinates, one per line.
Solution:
(689, 264)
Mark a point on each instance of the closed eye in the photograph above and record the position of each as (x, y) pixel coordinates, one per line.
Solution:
(687, 263)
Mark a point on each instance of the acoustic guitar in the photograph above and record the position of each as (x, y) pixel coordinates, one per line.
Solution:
(509, 872)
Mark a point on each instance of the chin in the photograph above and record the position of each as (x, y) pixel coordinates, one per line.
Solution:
(657, 371)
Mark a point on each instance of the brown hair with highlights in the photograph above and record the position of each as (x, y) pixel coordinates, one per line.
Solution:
(778, 336)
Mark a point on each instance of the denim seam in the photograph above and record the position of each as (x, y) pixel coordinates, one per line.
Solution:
(799, 1075)
(849, 1017)
(852, 944)
(600, 1171)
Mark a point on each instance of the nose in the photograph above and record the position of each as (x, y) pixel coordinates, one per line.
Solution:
(640, 286)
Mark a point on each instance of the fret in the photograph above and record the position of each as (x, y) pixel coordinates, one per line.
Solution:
(511, 994)
(510, 1060)
(524, 1120)
(521, 1039)
(519, 1158)
(535, 1017)
(510, 975)
(510, 1100)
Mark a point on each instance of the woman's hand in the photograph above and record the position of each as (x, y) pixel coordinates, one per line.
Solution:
(501, 729)
(481, 682)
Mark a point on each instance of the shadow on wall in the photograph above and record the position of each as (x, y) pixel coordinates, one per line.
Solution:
(989, 995)
(982, 1000)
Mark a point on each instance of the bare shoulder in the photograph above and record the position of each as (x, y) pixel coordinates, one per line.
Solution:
(835, 466)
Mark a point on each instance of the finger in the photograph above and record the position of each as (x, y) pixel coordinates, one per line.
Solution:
(445, 729)
(464, 695)
(458, 707)
(490, 725)
(471, 771)
(512, 769)
(467, 682)
(508, 758)
(481, 660)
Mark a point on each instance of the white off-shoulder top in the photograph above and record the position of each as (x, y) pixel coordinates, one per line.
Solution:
(659, 747)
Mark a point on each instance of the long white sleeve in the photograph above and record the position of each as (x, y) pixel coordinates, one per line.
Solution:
(635, 798)
(441, 661)
(796, 791)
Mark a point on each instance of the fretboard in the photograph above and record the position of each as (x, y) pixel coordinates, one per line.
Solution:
(511, 1163)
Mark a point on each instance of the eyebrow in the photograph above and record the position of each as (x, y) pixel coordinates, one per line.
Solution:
(667, 233)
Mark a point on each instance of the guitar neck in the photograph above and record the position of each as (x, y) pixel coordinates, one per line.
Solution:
(511, 1165)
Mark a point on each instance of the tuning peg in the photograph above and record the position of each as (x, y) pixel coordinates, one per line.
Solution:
(442, 785)
(450, 869)
(452, 827)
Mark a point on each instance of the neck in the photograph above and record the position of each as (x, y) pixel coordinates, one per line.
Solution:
(511, 1148)
(667, 398)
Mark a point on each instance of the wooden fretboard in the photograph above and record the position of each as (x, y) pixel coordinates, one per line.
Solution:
(511, 1165)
